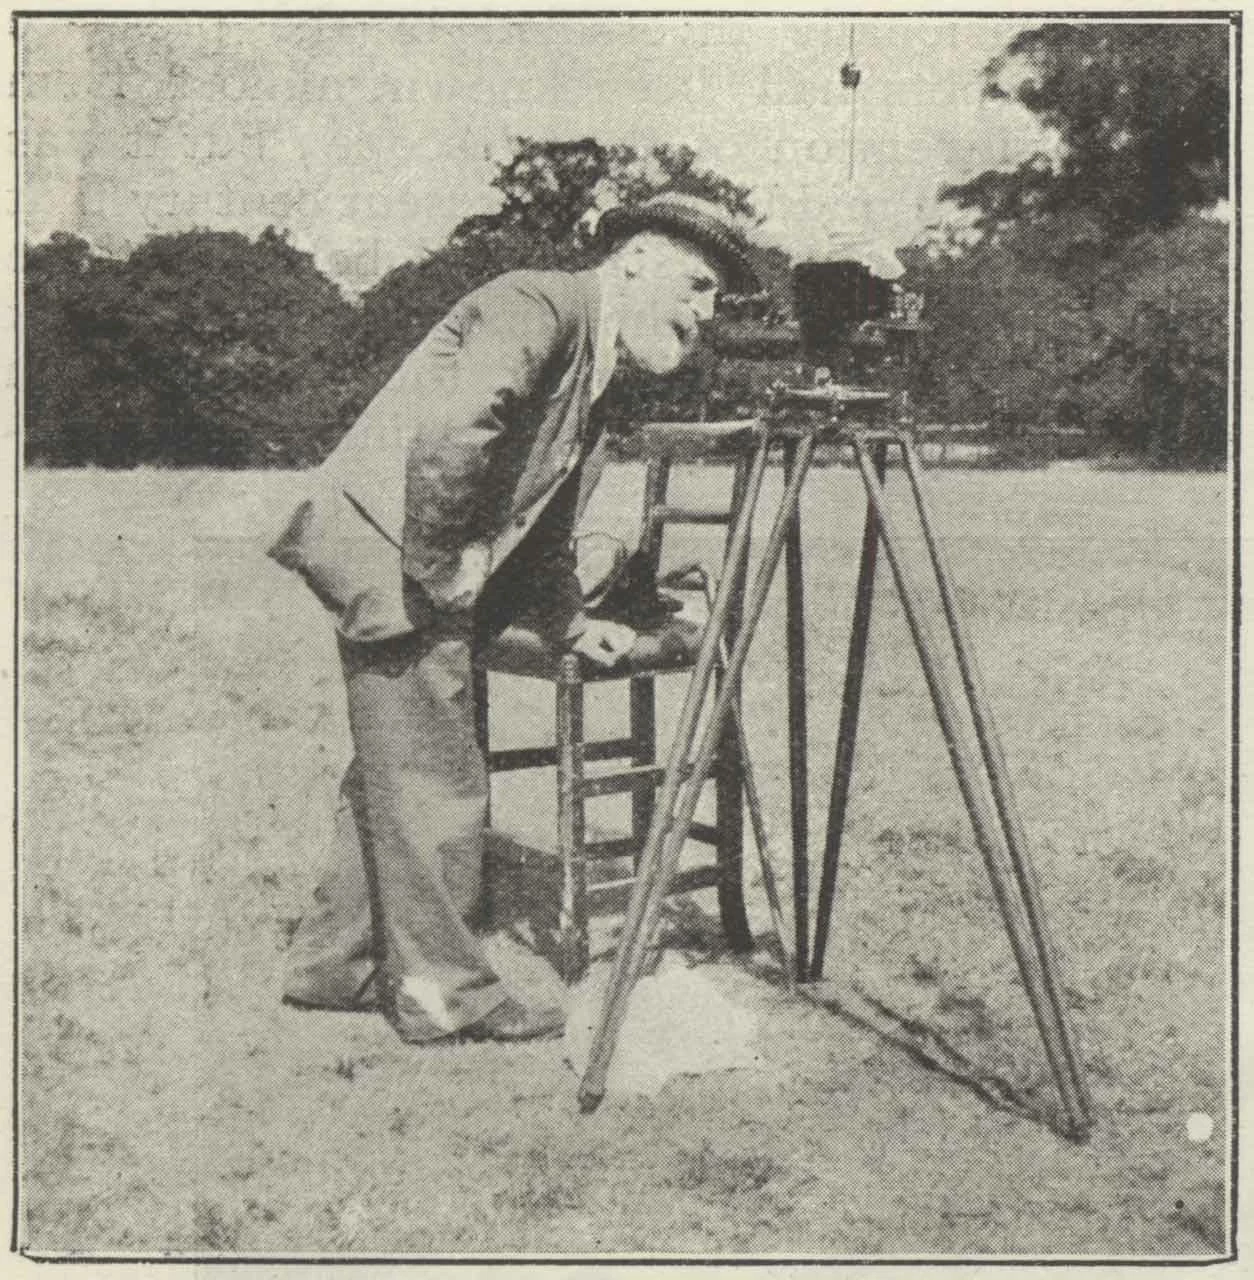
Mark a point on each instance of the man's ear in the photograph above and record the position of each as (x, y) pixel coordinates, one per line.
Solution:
(634, 254)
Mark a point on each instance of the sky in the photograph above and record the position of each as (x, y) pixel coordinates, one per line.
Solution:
(370, 139)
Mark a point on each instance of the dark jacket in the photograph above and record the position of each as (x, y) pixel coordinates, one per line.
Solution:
(480, 432)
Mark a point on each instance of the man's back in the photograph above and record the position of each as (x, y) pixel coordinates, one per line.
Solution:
(491, 404)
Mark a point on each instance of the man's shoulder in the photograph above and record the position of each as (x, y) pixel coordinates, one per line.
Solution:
(566, 292)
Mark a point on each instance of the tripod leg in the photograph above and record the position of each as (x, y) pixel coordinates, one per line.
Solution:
(671, 823)
(847, 737)
(798, 765)
(1002, 788)
(760, 840)
(756, 820)
(729, 767)
(982, 819)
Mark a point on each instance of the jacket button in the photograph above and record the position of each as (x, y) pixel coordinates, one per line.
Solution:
(520, 521)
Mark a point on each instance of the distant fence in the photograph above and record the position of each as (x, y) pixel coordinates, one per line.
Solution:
(972, 444)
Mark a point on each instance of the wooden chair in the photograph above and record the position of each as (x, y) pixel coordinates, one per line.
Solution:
(556, 891)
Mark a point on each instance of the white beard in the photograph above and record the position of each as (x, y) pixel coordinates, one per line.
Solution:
(655, 347)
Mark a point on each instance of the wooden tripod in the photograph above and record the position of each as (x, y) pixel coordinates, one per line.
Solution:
(998, 831)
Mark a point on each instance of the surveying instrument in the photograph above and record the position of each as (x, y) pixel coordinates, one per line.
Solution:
(840, 299)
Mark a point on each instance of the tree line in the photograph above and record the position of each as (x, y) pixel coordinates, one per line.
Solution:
(1086, 288)
(1095, 293)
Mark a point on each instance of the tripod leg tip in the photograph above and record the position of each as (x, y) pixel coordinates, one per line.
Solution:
(589, 1099)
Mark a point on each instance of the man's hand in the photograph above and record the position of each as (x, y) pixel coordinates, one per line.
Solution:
(604, 642)
(463, 586)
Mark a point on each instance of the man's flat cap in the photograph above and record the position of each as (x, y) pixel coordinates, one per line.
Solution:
(687, 218)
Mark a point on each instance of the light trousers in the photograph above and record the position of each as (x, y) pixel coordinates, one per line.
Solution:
(391, 924)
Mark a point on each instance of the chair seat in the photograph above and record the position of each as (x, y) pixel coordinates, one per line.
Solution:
(671, 646)
(689, 441)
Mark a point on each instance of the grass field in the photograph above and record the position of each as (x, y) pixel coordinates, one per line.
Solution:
(183, 735)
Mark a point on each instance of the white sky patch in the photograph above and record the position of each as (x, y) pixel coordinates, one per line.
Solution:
(370, 140)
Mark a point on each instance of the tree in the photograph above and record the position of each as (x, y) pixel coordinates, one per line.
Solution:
(1159, 384)
(1134, 348)
(1140, 112)
(1096, 293)
(217, 351)
(1005, 335)
(547, 187)
(62, 392)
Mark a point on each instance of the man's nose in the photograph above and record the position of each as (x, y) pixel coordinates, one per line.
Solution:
(703, 306)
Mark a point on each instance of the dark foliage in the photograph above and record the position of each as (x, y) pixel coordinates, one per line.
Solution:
(65, 400)
(1097, 294)
(1028, 332)
(1095, 298)
(1141, 116)
(201, 349)
(208, 349)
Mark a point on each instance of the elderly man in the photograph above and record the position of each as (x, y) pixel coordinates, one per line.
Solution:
(445, 514)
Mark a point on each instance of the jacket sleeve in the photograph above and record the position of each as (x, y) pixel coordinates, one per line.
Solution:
(490, 357)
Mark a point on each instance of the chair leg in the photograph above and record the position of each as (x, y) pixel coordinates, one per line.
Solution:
(573, 917)
(642, 729)
(479, 693)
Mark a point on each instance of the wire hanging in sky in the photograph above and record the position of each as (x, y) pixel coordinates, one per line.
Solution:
(850, 78)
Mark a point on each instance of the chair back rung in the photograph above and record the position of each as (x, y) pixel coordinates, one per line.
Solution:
(665, 513)
(612, 784)
(618, 847)
(507, 759)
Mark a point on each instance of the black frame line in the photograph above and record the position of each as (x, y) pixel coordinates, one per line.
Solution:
(1234, 18)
